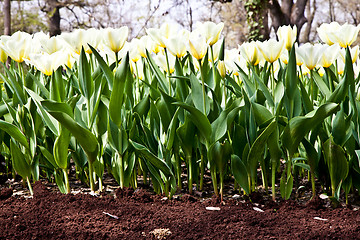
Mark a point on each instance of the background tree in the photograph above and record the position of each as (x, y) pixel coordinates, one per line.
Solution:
(7, 17)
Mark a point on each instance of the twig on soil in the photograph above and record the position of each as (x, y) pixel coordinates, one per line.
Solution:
(110, 215)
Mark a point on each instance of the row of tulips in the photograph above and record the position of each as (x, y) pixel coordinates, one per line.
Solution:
(175, 101)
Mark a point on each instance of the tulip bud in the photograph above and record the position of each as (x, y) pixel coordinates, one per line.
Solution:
(221, 68)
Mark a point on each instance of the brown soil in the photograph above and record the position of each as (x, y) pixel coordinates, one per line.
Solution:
(138, 214)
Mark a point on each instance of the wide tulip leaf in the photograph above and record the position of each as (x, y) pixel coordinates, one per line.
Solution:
(61, 147)
(321, 85)
(240, 173)
(199, 119)
(86, 138)
(117, 94)
(336, 161)
(261, 113)
(154, 160)
(298, 127)
(258, 148)
(21, 166)
(108, 73)
(222, 123)
(156, 71)
(197, 95)
(15, 133)
(49, 120)
(85, 79)
(291, 78)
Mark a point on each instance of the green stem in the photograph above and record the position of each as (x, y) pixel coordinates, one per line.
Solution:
(101, 187)
(91, 175)
(214, 181)
(221, 186)
(121, 166)
(178, 170)
(313, 185)
(29, 185)
(273, 176)
(137, 84)
(190, 173)
(67, 184)
(203, 86)
(168, 67)
(202, 169)
(116, 59)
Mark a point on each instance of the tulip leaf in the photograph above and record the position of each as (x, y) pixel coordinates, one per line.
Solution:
(85, 79)
(15, 133)
(240, 173)
(21, 166)
(186, 135)
(291, 78)
(49, 120)
(13, 84)
(87, 140)
(308, 106)
(264, 89)
(312, 155)
(298, 127)
(258, 147)
(117, 94)
(336, 161)
(104, 67)
(261, 113)
(156, 71)
(321, 85)
(199, 119)
(154, 160)
(49, 156)
(117, 137)
(222, 123)
(197, 95)
(61, 147)
(289, 187)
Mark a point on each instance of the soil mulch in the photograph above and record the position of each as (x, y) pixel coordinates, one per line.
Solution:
(138, 214)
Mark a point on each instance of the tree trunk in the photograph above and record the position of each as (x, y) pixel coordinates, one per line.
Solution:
(310, 17)
(289, 13)
(7, 17)
(257, 19)
(53, 12)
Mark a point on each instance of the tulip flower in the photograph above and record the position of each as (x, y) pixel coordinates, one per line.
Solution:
(93, 38)
(115, 38)
(354, 52)
(210, 30)
(134, 50)
(288, 35)
(324, 30)
(176, 46)
(3, 55)
(146, 43)
(271, 49)
(17, 46)
(160, 34)
(161, 61)
(74, 39)
(250, 53)
(198, 46)
(216, 50)
(53, 44)
(345, 34)
(329, 55)
(221, 68)
(48, 63)
(310, 54)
